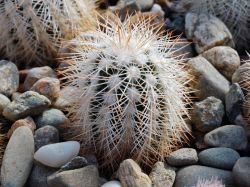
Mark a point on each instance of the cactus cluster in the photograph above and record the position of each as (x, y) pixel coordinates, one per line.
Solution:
(32, 29)
(234, 13)
(131, 93)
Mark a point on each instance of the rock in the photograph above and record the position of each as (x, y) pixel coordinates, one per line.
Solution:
(53, 117)
(18, 158)
(207, 114)
(91, 159)
(130, 174)
(209, 82)
(161, 176)
(177, 24)
(38, 176)
(65, 99)
(182, 157)
(27, 104)
(4, 101)
(58, 154)
(35, 74)
(48, 86)
(15, 95)
(156, 8)
(225, 59)
(112, 184)
(241, 172)
(234, 101)
(207, 31)
(75, 163)
(9, 77)
(183, 49)
(83, 177)
(188, 176)
(28, 122)
(222, 158)
(145, 5)
(46, 135)
(231, 136)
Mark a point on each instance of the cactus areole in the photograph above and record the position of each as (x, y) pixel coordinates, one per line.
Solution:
(131, 93)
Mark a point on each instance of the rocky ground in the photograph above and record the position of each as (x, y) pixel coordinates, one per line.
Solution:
(32, 104)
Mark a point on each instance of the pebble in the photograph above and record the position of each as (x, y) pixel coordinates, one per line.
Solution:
(15, 95)
(18, 158)
(28, 122)
(27, 104)
(225, 59)
(209, 82)
(207, 31)
(75, 163)
(188, 176)
(222, 158)
(83, 177)
(52, 117)
(130, 174)
(48, 86)
(234, 101)
(37, 73)
(241, 172)
(58, 154)
(182, 157)
(208, 114)
(145, 5)
(157, 9)
(9, 77)
(4, 101)
(231, 136)
(45, 135)
(112, 184)
(161, 176)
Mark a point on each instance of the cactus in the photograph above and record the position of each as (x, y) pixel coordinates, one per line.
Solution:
(4, 127)
(234, 13)
(214, 182)
(32, 29)
(131, 93)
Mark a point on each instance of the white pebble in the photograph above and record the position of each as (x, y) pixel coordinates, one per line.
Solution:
(112, 184)
(157, 9)
(58, 154)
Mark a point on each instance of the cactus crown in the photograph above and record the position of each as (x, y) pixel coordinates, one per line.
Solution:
(131, 93)
(33, 28)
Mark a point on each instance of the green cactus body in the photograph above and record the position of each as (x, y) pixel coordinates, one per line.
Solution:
(131, 93)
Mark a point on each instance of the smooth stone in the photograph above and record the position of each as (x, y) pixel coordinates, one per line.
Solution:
(4, 101)
(189, 176)
(222, 158)
(46, 135)
(162, 176)
(231, 136)
(208, 80)
(112, 184)
(58, 154)
(234, 101)
(9, 77)
(39, 174)
(241, 172)
(27, 104)
(18, 158)
(207, 114)
(145, 4)
(52, 117)
(183, 157)
(225, 59)
(75, 163)
(130, 174)
(83, 177)
(37, 73)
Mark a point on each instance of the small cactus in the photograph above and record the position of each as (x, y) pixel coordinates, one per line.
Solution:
(131, 93)
(214, 182)
(4, 127)
(234, 13)
(32, 29)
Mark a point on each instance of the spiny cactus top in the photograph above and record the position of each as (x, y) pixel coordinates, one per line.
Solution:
(131, 93)
(234, 13)
(31, 29)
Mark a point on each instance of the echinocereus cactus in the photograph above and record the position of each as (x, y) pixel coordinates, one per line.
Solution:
(32, 29)
(234, 13)
(131, 93)
(214, 182)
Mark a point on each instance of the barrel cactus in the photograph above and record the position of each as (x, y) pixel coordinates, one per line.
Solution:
(131, 93)
(32, 29)
(234, 13)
